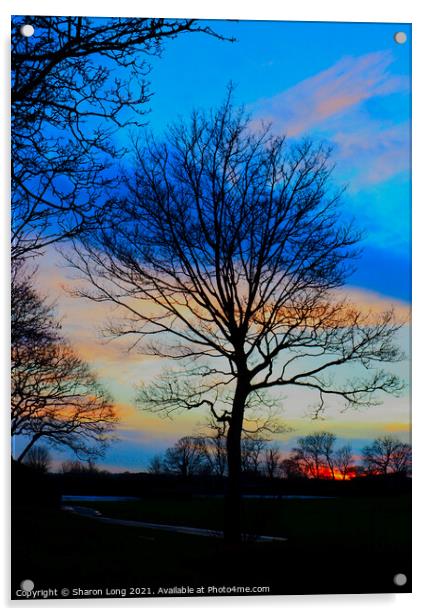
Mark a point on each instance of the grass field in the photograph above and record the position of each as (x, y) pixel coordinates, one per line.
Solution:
(369, 523)
(334, 545)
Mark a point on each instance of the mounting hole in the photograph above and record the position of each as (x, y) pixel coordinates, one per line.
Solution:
(27, 585)
(400, 38)
(27, 30)
(400, 579)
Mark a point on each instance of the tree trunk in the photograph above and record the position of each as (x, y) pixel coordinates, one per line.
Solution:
(232, 506)
(27, 448)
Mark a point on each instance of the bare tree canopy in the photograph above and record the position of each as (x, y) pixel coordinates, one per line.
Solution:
(32, 317)
(343, 460)
(317, 458)
(215, 448)
(74, 82)
(388, 455)
(186, 457)
(77, 467)
(39, 459)
(226, 253)
(55, 396)
(315, 454)
(291, 467)
(155, 465)
(272, 460)
(253, 449)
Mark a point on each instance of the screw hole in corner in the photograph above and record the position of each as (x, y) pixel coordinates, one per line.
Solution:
(27, 585)
(400, 579)
(400, 38)
(27, 30)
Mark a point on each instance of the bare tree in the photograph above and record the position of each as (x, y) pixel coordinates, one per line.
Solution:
(39, 458)
(155, 465)
(74, 83)
(72, 466)
(315, 453)
(32, 316)
(343, 461)
(186, 457)
(292, 467)
(272, 459)
(401, 460)
(226, 253)
(253, 448)
(327, 446)
(387, 454)
(215, 449)
(55, 396)
(77, 467)
(260, 424)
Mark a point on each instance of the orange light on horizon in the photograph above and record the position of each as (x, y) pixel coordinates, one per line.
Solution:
(326, 473)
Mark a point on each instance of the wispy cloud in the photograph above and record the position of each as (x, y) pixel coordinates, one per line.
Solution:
(373, 151)
(332, 104)
(374, 303)
(330, 93)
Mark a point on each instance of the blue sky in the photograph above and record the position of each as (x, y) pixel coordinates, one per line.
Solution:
(346, 84)
(276, 68)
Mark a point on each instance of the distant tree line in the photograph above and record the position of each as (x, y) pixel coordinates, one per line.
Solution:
(314, 457)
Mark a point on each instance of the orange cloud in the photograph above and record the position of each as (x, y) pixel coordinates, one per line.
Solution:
(369, 301)
(136, 424)
(122, 371)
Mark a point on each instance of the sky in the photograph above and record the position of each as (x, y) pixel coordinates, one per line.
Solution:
(346, 84)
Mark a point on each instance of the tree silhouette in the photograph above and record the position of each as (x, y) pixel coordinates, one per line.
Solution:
(38, 458)
(215, 449)
(387, 455)
(253, 448)
(32, 317)
(327, 445)
(401, 460)
(155, 465)
(186, 457)
(77, 467)
(224, 255)
(292, 467)
(55, 396)
(343, 461)
(315, 454)
(74, 83)
(272, 460)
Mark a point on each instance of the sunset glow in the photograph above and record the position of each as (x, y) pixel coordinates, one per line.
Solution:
(358, 102)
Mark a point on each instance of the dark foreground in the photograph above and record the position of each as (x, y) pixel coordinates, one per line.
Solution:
(353, 544)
